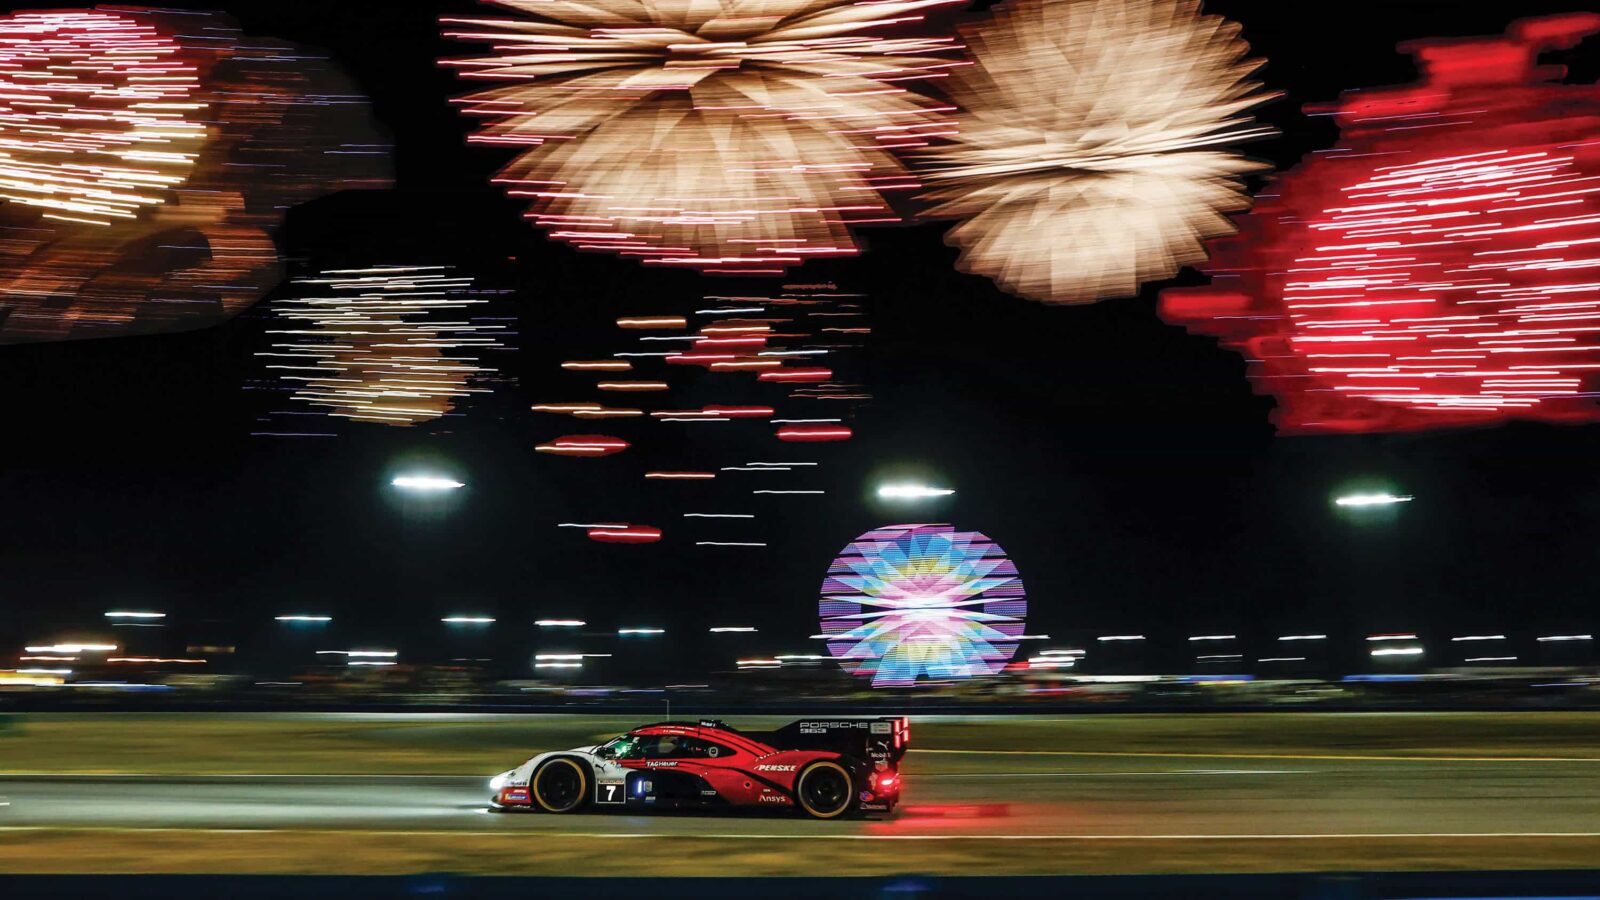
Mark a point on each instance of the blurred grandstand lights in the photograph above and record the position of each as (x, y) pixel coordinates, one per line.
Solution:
(303, 618)
(128, 614)
(560, 623)
(1549, 638)
(1378, 499)
(631, 631)
(1121, 637)
(425, 483)
(1397, 651)
(1303, 637)
(912, 492)
(467, 620)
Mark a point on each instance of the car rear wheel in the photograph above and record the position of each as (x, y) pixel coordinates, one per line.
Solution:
(825, 790)
(561, 785)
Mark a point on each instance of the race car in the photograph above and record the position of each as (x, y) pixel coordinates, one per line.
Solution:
(827, 768)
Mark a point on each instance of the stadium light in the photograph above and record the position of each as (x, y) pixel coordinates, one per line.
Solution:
(1382, 499)
(912, 492)
(425, 483)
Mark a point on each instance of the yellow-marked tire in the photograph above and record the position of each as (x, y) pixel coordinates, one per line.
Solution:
(825, 790)
(561, 785)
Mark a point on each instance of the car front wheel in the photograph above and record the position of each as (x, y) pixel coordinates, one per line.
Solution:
(561, 785)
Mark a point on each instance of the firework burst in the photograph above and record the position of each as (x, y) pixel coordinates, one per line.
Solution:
(1089, 157)
(726, 135)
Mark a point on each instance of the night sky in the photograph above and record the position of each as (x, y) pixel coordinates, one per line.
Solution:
(1125, 465)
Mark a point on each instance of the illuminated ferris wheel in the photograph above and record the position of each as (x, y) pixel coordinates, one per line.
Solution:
(904, 602)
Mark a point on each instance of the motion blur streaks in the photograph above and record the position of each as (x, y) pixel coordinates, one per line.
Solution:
(99, 114)
(146, 157)
(701, 452)
(1090, 156)
(736, 136)
(374, 345)
(1436, 267)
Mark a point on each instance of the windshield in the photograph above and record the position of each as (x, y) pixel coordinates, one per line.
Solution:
(618, 747)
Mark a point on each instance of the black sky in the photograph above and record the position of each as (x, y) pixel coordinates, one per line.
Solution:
(1125, 465)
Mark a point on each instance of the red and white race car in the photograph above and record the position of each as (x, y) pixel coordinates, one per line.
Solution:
(827, 767)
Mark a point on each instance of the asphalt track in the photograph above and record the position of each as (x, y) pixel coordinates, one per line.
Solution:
(955, 795)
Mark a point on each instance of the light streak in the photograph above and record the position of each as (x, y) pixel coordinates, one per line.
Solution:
(560, 623)
(1397, 651)
(425, 483)
(912, 492)
(584, 445)
(467, 620)
(130, 614)
(302, 618)
(1372, 499)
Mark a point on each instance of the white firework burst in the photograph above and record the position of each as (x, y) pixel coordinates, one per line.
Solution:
(1091, 152)
(729, 135)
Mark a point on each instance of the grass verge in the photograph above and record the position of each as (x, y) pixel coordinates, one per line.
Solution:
(288, 744)
(111, 851)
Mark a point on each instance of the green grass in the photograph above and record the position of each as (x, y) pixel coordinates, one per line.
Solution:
(188, 744)
(110, 851)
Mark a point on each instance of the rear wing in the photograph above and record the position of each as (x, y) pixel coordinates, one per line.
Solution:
(875, 740)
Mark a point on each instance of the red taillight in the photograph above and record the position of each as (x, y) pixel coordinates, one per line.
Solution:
(886, 781)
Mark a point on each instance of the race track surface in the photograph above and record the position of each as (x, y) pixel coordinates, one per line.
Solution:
(948, 794)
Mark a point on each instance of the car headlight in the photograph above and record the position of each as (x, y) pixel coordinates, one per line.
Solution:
(499, 781)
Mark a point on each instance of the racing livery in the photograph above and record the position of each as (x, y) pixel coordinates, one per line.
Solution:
(825, 767)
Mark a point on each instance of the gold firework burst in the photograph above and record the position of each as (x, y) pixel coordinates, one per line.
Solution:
(1091, 155)
(725, 135)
